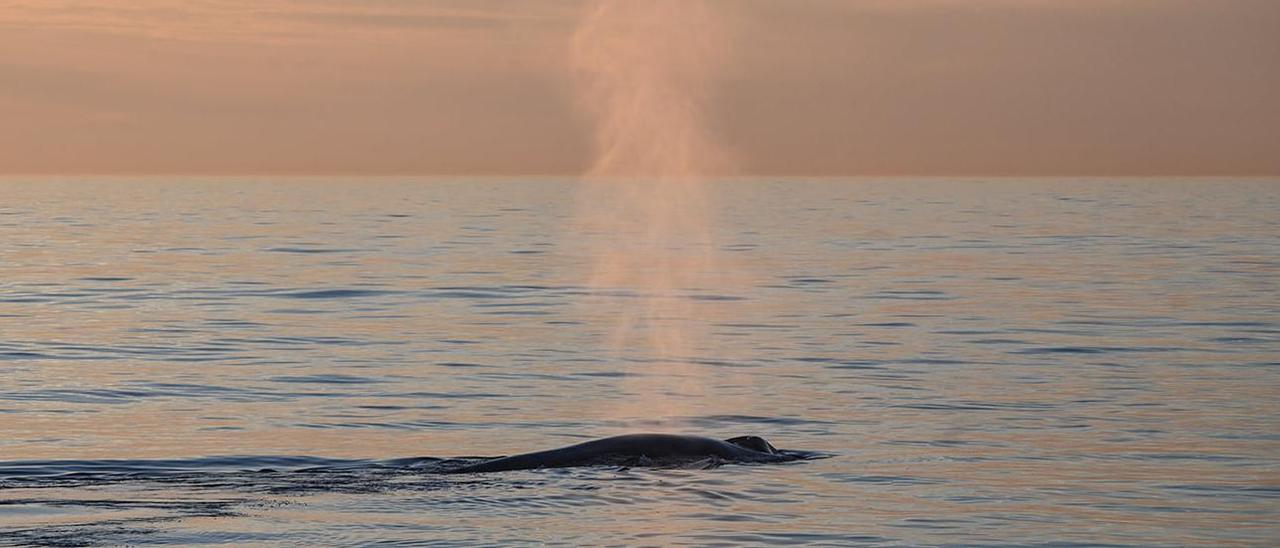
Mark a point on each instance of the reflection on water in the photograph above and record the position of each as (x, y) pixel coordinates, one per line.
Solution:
(996, 362)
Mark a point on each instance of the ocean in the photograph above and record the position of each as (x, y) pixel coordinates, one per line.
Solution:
(281, 361)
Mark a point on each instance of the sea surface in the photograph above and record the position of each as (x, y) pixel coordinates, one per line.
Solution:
(272, 361)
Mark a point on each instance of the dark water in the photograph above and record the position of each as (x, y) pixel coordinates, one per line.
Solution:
(286, 362)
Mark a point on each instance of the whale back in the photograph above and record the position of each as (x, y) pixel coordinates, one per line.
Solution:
(663, 447)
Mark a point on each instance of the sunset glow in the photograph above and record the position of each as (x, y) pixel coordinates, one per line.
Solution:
(821, 87)
(291, 273)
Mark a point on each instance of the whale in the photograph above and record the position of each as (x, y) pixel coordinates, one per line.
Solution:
(640, 449)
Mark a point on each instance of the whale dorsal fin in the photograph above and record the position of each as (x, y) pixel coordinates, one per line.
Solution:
(754, 443)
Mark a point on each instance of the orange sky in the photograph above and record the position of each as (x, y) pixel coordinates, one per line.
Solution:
(812, 87)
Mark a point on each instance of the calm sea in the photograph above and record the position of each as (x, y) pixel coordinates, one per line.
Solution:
(276, 362)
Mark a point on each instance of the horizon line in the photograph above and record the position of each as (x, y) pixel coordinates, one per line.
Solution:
(708, 177)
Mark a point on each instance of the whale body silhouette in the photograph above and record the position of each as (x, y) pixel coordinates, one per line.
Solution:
(640, 448)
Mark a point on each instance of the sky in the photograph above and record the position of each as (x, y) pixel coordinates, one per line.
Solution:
(488, 87)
